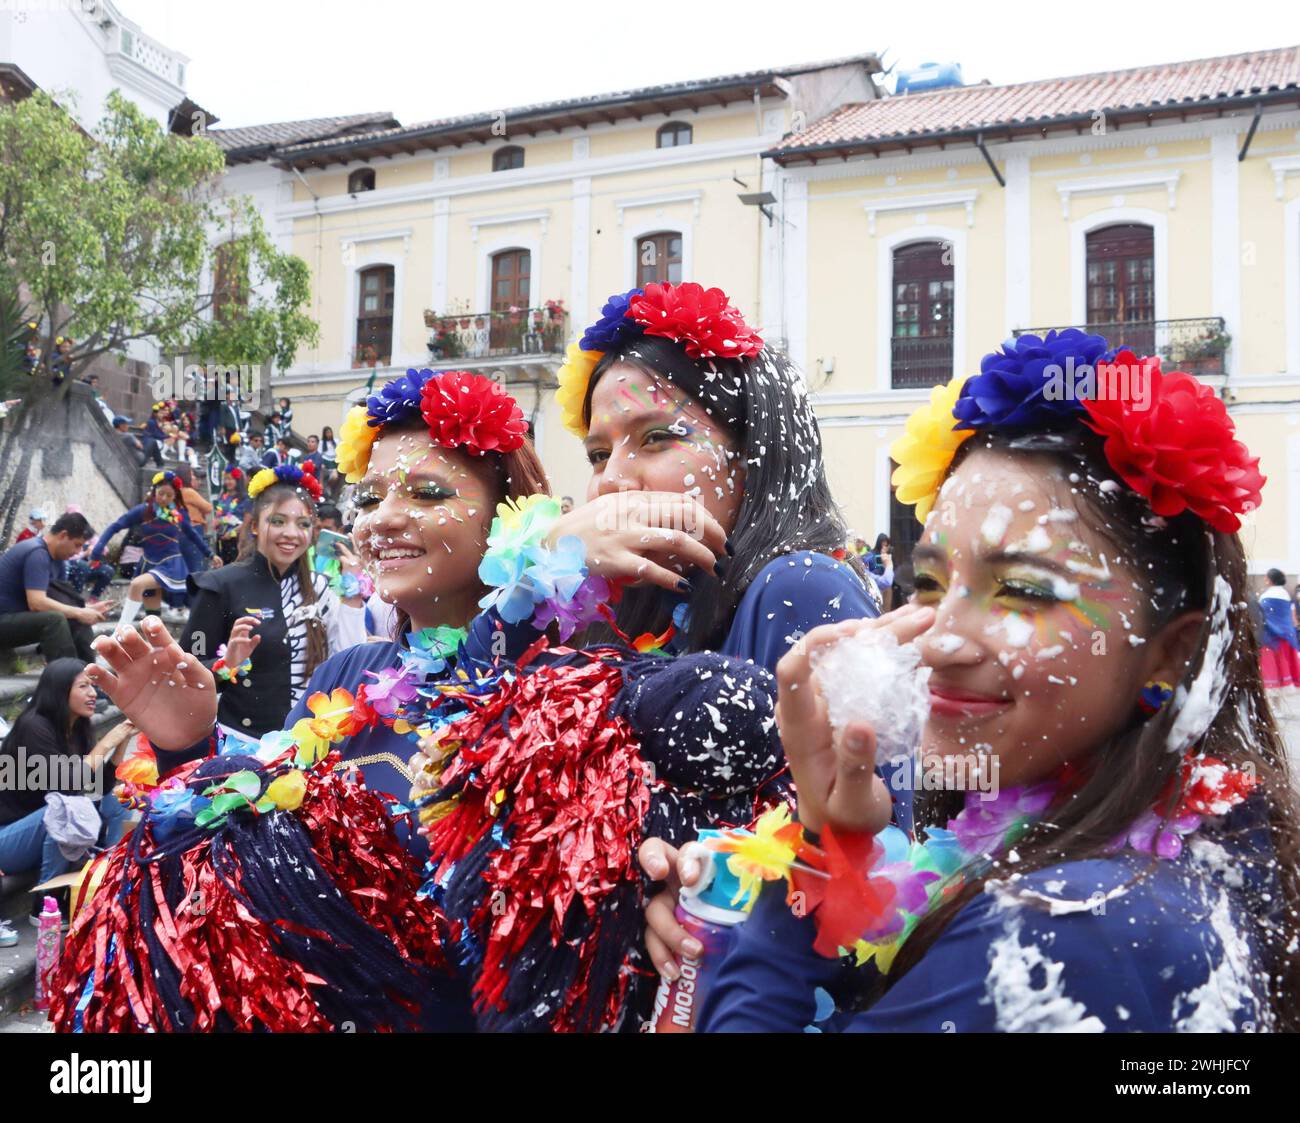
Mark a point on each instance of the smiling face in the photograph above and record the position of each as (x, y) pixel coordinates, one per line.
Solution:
(81, 697)
(649, 435)
(1041, 640)
(284, 531)
(423, 514)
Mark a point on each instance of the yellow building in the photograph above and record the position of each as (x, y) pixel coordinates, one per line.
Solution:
(498, 236)
(1159, 207)
(885, 242)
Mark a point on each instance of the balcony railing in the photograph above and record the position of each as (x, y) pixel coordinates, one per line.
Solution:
(497, 335)
(919, 361)
(1196, 345)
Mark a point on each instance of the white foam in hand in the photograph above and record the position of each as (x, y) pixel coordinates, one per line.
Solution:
(871, 677)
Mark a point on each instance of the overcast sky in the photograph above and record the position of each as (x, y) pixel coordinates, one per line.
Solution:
(255, 61)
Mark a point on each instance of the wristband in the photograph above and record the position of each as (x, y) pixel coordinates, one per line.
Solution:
(227, 673)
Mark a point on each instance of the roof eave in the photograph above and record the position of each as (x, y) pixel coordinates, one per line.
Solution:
(1004, 131)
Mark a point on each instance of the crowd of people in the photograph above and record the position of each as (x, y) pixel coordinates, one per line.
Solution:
(488, 745)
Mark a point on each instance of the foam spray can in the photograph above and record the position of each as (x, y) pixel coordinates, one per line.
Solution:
(709, 911)
(49, 937)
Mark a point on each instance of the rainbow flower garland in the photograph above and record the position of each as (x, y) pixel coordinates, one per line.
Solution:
(867, 893)
(1176, 447)
(703, 320)
(462, 410)
(528, 579)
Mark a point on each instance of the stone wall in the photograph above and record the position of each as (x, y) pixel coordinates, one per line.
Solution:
(76, 459)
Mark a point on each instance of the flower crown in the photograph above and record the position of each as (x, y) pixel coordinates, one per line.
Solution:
(1167, 435)
(303, 477)
(167, 478)
(462, 410)
(703, 320)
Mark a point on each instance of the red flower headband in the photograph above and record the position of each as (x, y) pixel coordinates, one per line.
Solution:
(469, 411)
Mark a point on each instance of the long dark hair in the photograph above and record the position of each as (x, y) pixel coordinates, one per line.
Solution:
(317, 639)
(787, 505)
(50, 701)
(1180, 562)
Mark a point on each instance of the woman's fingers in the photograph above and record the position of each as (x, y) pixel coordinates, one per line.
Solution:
(675, 546)
(646, 572)
(672, 940)
(858, 801)
(658, 859)
(681, 512)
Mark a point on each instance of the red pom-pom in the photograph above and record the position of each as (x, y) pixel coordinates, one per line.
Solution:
(469, 411)
(1176, 445)
(703, 320)
(235, 474)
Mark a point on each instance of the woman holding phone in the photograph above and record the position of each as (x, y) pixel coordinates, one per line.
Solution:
(263, 625)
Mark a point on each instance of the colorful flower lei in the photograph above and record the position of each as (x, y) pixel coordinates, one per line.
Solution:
(529, 579)
(303, 476)
(1176, 445)
(703, 320)
(463, 410)
(868, 892)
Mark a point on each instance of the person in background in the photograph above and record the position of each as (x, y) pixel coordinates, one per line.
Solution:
(200, 513)
(279, 455)
(275, 428)
(230, 512)
(880, 562)
(1279, 659)
(35, 524)
(28, 614)
(566, 504)
(249, 456)
(132, 443)
(92, 380)
(153, 428)
(55, 728)
(329, 456)
(286, 416)
(229, 414)
(163, 523)
(314, 455)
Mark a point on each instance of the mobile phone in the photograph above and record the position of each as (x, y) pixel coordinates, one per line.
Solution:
(327, 542)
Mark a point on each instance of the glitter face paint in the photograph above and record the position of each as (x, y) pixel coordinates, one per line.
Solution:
(649, 435)
(1029, 650)
(423, 514)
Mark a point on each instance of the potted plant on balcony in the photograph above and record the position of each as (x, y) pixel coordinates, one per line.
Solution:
(430, 318)
(555, 309)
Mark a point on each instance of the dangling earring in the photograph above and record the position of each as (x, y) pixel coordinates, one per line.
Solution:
(1154, 695)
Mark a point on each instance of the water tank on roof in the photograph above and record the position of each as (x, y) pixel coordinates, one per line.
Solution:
(928, 76)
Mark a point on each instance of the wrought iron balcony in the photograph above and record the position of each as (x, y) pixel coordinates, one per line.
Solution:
(480, 338)
(920, 361)
(1196, 345)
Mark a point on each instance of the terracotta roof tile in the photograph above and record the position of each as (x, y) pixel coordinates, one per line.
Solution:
(976, 107)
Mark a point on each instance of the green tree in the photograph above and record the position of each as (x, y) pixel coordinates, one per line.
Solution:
(111, 237)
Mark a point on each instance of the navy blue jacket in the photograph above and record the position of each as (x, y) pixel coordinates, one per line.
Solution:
(1173, 951)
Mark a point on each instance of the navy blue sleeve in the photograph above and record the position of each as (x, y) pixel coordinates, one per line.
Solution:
(490, 638)
(788, 598)
(125, 519)
(767, 981)
(36, 571)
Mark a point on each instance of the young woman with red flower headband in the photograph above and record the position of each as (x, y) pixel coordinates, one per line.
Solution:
(431, 455)
(230, 509)
(163, 525)
(1081, 609)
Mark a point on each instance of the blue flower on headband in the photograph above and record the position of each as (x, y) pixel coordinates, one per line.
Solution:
(397, 399)
(1031, 383)
(613, 326)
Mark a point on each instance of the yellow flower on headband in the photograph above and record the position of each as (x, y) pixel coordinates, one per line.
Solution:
(575, 376)
(260, 482)
(356, 439)
(925, 451)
